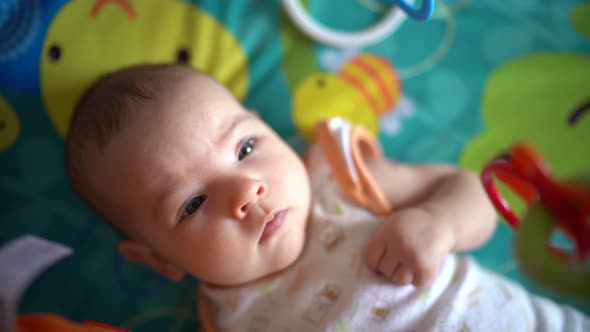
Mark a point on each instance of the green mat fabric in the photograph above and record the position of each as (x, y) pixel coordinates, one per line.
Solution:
(476, 78)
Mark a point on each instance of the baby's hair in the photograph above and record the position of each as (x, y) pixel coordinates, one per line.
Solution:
(104, 110)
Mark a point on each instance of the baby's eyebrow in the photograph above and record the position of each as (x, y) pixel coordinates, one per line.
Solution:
(227, 132)
(164, 203)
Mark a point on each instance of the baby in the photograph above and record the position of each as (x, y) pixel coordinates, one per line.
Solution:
(346, 241)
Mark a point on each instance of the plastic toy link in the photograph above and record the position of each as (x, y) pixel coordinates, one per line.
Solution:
(50, 322)
(552, 205)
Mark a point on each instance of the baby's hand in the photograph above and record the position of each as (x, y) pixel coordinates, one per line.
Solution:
(410, 247)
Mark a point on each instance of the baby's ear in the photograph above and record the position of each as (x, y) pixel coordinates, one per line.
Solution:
(141, 254)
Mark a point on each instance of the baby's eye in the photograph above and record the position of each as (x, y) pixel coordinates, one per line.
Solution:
(246, 149)
(194, 204)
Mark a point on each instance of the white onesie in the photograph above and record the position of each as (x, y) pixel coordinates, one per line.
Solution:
(330, 288)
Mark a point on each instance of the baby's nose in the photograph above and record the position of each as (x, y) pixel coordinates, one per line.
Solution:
(247, 191)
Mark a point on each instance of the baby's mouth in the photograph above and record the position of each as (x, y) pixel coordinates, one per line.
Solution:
(274, 223)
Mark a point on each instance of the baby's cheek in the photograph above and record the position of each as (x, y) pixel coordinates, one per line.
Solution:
(221, 262)
(298, 178)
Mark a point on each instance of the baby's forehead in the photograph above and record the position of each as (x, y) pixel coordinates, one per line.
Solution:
(169, 104)
(195, 112)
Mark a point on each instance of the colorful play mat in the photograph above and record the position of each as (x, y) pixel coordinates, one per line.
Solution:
(460, 88)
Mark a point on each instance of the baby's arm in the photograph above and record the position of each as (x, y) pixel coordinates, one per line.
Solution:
(437, 209)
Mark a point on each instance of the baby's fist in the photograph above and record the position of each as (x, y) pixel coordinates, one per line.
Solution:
(410, 247)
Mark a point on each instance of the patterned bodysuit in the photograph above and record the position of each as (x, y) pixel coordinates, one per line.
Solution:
(329, 288)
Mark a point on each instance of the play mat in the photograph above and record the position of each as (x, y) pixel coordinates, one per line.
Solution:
(478, 76)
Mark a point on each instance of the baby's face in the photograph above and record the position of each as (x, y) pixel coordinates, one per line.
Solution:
(207, 185)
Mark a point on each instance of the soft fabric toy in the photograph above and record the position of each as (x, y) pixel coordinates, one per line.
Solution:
(22, 260)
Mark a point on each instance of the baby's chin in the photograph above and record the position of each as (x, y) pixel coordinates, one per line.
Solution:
(282, 259)
(288, 254)
(266, 267)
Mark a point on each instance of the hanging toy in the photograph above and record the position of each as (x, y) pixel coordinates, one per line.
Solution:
(371, 35)
(552, 205)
